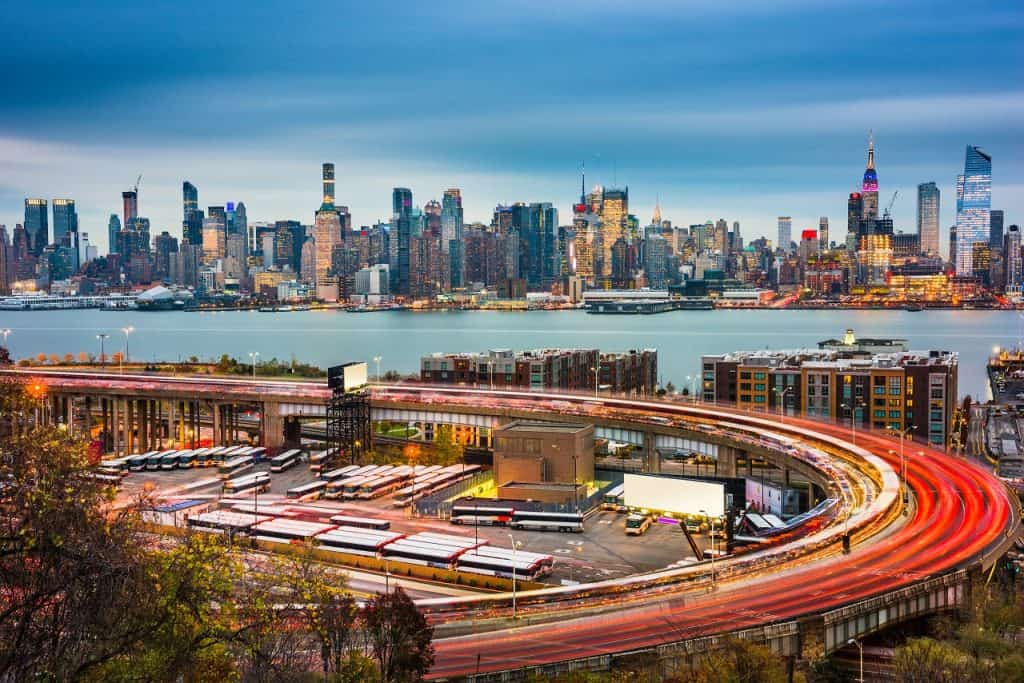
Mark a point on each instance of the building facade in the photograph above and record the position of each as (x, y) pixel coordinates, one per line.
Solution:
(928, 197)
(973, 208)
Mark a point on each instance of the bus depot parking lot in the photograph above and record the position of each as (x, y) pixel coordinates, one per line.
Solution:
(602, 551)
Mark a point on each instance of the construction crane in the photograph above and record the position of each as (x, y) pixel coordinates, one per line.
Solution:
(888, 209)
(137, 181)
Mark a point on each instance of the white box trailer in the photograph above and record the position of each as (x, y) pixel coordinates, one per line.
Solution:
(674, 495)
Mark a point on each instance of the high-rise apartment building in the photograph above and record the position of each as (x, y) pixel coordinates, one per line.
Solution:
(928, 217)
(451, 233)
(326, 236)
(1013, 260)
(854, 211)
(401, 232)
(37, 225)
(823, 244)
(785, 233)
(973, 207)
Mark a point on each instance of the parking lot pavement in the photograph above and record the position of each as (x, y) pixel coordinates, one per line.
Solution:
(602, 551)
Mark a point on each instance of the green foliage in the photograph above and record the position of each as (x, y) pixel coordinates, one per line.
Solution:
(399, 637)
(448, 450)
(740, 662)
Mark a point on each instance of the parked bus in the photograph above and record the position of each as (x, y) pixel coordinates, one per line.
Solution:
(120, 464)
(380, 486)
(426, 554)
(356, 541)
(504, 562)
(155, 461)
(170, 461)
(289, 530)
(614, 498)
(339, 473)
(137, 463)
(257, 452)
(361, 522)
(106, 478)
(318, 459)
(313, 489)
(234, 466)
(282, 461)
(259, 481)
(547, 521)
(483, 515)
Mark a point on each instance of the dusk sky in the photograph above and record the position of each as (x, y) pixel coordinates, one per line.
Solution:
(741, 110)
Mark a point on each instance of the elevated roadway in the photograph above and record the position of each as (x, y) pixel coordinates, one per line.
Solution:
(802, 604)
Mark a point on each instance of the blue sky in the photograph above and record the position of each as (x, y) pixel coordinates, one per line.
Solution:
(736, 109)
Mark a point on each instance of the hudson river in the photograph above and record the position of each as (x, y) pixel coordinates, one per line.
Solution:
(401, 337)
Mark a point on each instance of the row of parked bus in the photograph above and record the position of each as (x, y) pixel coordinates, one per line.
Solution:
(367, 482)
(173, 459)
(498, 514)
(373, 538)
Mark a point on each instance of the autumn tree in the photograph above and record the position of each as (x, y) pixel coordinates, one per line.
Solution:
(449, 450)
(5, 356)
(740, 661)
(399, 637)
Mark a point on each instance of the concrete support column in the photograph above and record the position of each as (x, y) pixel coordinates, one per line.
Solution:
(651, 459)
(726, 462)
(115, 427)
(129, 425)
(785, 477)
(271, 426)
(218, 439)
(69, 411)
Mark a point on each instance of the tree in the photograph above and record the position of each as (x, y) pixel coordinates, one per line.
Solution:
(449, 450)
(5, 356)
(740, 661)
(670, 388)
(924, 660)
(116, 357)
(53, 358)
(41, 357)
(83, 357)
(68, 358)
(398, 636)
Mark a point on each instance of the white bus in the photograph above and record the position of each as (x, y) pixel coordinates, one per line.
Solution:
(308, 491)
(339, 473)
(547, 521)
(613, 498)
(236, 465)
(282, 461)
(317, 460)
(259, 481)
(361, 522)
(483, 515)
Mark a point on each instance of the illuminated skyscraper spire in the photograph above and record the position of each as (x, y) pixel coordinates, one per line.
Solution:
(656, 218)
(869, 187)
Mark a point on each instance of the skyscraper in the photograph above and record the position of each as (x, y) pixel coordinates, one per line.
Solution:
(928, 218)
(995, 229)
(785, 233)
(869, 187)
(451, 232)
(328, 182)
(854, 210)
(189, 200)
(37, 225)
(823, 244)
(973, 207)
(65, 222)
(114, 227)
(1013, 258)
(130, 199)
(401, 226)
(613, 214)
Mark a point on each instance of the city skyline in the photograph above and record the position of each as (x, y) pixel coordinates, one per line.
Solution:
(714, 120)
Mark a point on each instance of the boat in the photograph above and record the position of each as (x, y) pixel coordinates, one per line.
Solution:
(913, 308)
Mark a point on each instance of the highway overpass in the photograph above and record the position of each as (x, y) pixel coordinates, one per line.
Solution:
(803, 599)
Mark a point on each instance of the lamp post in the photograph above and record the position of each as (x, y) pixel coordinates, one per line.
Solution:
(711, 520)
(860, 648)
(253, 355)
(853, 418)
(511, 538)
(103, 354)
(127, 331)
(377, 359)
(597, 382)
(782, 402)
(6, 331)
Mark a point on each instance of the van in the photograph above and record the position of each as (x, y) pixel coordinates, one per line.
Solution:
(636, 525)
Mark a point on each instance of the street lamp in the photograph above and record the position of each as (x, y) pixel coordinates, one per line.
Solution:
(853, 418)
(254, 355)
(711, 520)
(596, 369)
(860, 648)
(6, 331)
(127, 331)
(782, 402)
(511, 538)
(103, 354)
(377, 359)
